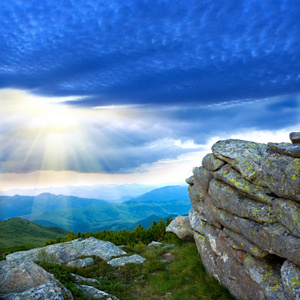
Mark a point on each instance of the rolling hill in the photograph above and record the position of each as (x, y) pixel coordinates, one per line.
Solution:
(17, 232)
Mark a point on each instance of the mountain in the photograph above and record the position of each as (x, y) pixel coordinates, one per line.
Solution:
(24, 205)
(81, 214)
(166, 193)
(17, 232)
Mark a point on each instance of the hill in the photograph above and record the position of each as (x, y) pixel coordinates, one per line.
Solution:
(17, 232)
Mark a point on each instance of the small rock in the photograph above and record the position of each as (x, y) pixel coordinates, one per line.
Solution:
(79, 278)
(93, 293)
(211, 162)
(160, 245)
(182, 228)
(295, 137)
(122, 261)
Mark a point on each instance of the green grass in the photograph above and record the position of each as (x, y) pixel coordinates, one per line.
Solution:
(17, 234)
(171, 273)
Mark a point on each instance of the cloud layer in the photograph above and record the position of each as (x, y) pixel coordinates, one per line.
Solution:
(120, 52)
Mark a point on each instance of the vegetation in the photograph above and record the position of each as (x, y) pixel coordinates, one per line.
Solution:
(17, 234)
(168, 273)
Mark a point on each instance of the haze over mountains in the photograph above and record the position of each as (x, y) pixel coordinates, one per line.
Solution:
(82, 214)
(110, 193)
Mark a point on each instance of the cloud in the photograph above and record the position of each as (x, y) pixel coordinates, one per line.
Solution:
(39, 133)
(145, 52)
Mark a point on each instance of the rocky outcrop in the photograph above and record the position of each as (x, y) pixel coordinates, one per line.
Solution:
(21, 278)
(246, 217)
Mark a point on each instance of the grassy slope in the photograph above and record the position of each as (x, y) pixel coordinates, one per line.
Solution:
(17, 232)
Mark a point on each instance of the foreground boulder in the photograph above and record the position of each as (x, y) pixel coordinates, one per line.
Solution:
(246, 223)
(27, 280)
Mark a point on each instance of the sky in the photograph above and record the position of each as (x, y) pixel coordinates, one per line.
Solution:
(115, 92)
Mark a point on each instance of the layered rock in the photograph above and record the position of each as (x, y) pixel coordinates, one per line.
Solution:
(246, 217)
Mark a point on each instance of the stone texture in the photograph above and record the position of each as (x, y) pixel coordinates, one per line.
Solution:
(196, 223)
(18, 277)
(181, 227)
(267, 275)
(246, 157)
(282, 175)
(65, 252)
(50, 290)
(226, 265)
(273, 238)
(288, 213)
(211, 162)
(290, 274)
(233, 178)
(225, 197)
(122, 261)
(241, 243)
(93, 293)
(286, 149)
(81, 263)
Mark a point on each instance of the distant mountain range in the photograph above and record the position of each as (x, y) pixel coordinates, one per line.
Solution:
(110, 193)
(82, 214)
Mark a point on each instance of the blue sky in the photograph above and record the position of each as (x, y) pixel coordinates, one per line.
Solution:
(131, 91)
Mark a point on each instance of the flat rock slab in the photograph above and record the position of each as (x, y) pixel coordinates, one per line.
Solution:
(286, 149)
(122, 261)
(79, 278)
(81, 263)
(51, 290)
(160, 245)
(65, 252)
(246, 157)
(196, 223)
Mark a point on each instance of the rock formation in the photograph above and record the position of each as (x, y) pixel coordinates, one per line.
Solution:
(246, 217)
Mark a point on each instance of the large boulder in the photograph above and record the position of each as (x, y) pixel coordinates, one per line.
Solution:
(65, 252)
(182, 228)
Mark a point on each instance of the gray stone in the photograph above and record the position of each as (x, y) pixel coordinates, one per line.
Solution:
(246, 157)
(227, 198)
(286, 149)
(50, 290)
(196, 223)
(122, 261)
(295, 137)
(93, 293)
(226, 264)
(181, 227)
(79, 278)
(65, 252)
(288, 213)
(211, 162)
(160, 245)
(81, 263)
(16, 277)
(241, 243)
(275, 238)
(290, 274)
(267, 275)
(282, 174)
(233, 178)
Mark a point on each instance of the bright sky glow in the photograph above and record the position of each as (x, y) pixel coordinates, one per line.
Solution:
(138, 91)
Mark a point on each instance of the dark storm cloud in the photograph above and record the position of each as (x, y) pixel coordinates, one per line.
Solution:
(151, 51)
